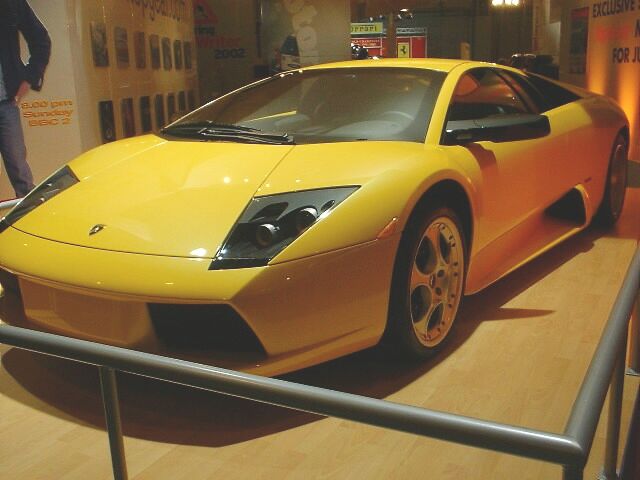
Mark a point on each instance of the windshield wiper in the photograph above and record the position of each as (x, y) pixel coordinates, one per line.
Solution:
(247, 137)
(219, 131)
(210, 124)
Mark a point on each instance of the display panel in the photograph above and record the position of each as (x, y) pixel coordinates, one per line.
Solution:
(107, 121)
(140, 48)
(122, 46)
(99, 44)
(145, 114)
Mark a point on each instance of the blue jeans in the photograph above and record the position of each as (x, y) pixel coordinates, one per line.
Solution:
(13, 150)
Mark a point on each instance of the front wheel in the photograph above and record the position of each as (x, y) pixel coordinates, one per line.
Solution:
(616, 186)
(428, 281)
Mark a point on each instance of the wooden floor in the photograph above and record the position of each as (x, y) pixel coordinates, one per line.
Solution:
(520, 352)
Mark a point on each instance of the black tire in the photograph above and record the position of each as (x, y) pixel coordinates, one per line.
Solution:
(428, 282)
(615, 189)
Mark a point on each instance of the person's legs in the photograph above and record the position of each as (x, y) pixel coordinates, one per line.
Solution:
(13, 150)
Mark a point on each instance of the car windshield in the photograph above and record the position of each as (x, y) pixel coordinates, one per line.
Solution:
(324, 105)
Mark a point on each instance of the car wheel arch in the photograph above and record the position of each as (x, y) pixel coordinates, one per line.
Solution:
(454, 195)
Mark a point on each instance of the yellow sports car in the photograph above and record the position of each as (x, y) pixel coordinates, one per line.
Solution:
(315, 213)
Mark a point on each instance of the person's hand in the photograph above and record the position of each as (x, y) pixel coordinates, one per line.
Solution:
(22, 90)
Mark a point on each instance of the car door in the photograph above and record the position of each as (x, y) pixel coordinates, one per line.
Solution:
(569, 126)
(515, 179)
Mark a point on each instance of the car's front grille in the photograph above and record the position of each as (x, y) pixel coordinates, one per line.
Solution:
(208, 327)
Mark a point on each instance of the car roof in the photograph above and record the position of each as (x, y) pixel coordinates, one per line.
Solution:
(439, 64)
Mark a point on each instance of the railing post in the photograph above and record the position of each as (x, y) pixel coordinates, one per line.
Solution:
(610, 470)
(114, 425)
(572, 472)
(634, 341)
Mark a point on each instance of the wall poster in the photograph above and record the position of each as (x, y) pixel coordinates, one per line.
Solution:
(140, 49)
(122, 46)
(227, 46)
(306, 32)
(177, 54)
(99, 44)
(579, 40)
(613, 59)
(166, 54)
(145, 114)
(171, 108)
(107, 121)
(128, 119)
(159, 108)
(187, 55)
(154, 46)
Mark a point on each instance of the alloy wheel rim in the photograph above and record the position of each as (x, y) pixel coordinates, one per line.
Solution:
(618, 179)
(435, 287)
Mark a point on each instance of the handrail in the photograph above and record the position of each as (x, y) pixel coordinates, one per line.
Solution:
(582, 422)
(9, 203)
(382, 413)
(570, 449)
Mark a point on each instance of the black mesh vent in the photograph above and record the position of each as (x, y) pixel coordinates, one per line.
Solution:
(9, 281)
(207, 327)
(570, 207)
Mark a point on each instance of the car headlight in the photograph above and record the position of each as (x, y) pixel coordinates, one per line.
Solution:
(272, 222)
(56, 183)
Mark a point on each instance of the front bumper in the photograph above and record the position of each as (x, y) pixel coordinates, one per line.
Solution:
(301, 312)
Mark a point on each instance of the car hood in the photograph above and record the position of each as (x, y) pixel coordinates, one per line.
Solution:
(170, 198)
(181, 198)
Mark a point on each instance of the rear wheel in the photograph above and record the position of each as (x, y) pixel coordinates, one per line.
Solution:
(616, 186)
(427, 284)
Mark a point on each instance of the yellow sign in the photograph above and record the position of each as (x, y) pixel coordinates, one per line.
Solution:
(366, 28)
(404, 50)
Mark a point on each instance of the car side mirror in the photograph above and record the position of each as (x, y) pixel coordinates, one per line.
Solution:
(501, 128)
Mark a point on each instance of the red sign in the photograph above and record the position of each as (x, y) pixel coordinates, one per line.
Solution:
(372, 44)
(415, 46)
(203, 14)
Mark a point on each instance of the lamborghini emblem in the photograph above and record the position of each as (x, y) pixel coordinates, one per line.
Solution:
(96, 228)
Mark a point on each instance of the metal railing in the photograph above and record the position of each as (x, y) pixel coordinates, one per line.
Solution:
(569, 449)
(9, 203)
(634, 342)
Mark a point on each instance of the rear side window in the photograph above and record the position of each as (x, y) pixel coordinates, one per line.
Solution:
(482, 93)
(554, 95)
(527, 92)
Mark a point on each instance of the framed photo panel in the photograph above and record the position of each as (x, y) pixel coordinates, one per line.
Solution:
(140, 50)
(122, 46)
(166, 53)
(177, 54)
(159, 108)
(107, 121)
(128, 119)
(99, 47)
(145, 114)
(154, 47)
(171, 107)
